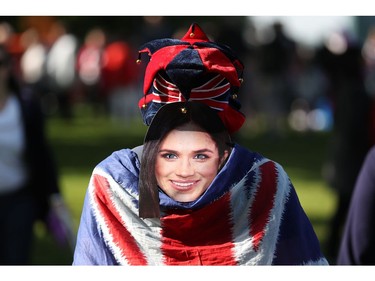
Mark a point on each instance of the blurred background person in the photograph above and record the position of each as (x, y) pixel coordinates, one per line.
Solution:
(343, 64)
(29, 187)
(368, 53)
(275, 59)
(358, 240)
(120, 80)
(60, 67)
(89, 70)
(32, 68)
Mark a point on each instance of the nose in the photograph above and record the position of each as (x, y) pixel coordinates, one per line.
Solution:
(184, 168)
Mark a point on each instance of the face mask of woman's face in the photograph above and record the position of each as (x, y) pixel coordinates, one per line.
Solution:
(187, 163)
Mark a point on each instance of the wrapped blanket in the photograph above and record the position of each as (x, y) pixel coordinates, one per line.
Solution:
(249, 215)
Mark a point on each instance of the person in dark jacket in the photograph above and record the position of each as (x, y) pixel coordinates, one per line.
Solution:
(28, 173)
(358, 240)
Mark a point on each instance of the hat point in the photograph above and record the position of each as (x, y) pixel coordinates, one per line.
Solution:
(195, 33)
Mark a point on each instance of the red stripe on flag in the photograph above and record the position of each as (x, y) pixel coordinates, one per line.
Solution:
(263, 202)
(201, 237)
(121, 236)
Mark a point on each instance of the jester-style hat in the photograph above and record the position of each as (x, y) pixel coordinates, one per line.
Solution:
(192, 69)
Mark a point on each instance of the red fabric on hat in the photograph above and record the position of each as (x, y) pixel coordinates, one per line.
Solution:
(208, 57)
(156, 64)
(215, 61)
(195, 34)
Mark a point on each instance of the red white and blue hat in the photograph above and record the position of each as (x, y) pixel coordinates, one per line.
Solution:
(192, 69)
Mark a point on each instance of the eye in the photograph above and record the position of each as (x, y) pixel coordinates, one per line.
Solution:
(201, 156)
(169, 156)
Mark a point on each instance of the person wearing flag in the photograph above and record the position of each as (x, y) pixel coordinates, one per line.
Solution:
(190, 195)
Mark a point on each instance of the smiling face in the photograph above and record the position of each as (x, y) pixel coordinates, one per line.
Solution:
(187, 162)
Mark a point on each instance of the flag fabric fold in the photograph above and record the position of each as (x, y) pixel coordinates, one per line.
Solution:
(250, 215)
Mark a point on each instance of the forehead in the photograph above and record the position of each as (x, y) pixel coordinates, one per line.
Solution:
(184, 139)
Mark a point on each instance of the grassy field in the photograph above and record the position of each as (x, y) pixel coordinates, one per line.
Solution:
(79, 144)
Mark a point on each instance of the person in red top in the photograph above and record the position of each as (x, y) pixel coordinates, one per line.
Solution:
(120, 80)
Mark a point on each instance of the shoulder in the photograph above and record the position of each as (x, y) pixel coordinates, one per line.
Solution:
(367, 173)
(254, 160)
(120, 159)
(370, 158)
(253, 166)
(365, 184)
(266, 174)
(138, 150)
(122, 165)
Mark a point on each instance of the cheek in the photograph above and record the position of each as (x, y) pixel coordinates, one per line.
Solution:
(163, 168)
(209, 170)
(158, 169)
(158, 173)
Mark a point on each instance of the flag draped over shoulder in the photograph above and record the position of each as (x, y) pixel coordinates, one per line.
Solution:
(250, 215)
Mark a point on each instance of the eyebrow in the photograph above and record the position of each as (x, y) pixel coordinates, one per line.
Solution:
(195, 151)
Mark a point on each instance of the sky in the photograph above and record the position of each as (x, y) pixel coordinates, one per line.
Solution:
(311, 30)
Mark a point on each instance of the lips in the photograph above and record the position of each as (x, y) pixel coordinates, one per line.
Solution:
(183, 185)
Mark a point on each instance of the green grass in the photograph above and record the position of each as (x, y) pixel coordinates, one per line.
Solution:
(81, 143)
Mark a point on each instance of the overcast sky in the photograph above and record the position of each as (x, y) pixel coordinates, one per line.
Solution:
(311, 30)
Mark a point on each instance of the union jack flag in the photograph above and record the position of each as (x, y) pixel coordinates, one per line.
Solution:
(250, 215)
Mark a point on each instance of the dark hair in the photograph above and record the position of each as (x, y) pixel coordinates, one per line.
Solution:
(169, 117)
